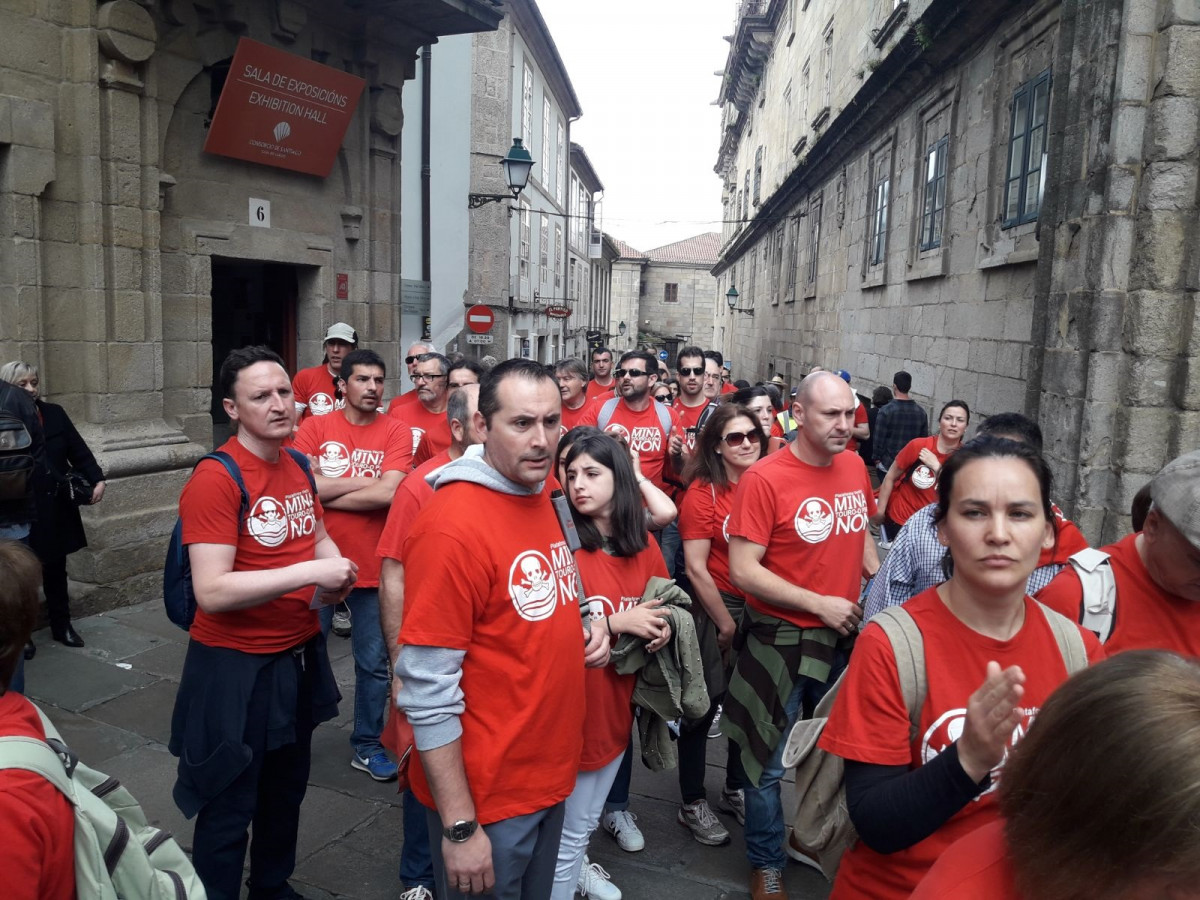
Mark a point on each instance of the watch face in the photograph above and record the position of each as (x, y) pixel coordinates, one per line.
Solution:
(460, 831)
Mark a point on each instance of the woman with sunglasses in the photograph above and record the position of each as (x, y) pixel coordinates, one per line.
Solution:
(615, 562)
(758, 401)
(662, 393)
(731, 441)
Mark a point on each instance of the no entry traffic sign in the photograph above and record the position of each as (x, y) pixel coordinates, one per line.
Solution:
(480, 319)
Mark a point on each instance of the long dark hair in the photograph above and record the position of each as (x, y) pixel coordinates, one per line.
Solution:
(629, 535)
(705, 462)
(565, 443)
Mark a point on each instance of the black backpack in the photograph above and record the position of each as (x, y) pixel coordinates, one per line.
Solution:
(16, 458)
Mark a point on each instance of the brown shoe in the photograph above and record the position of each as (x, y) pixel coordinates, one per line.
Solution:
(800, 853)
(767, 884)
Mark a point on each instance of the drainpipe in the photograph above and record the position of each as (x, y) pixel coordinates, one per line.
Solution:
(426, 106)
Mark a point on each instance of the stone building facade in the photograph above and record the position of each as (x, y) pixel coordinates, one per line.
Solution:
(131, 261)
(999, 198)
(586, 299)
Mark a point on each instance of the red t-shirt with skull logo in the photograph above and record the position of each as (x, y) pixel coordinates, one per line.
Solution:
(314, 389)
(813, 522)
(644, 433)
(430, 431)
(869, 723)
(491, 574)
(357, 451)
(613, 584)
(919, 489)
(704, 516)
(280, 531)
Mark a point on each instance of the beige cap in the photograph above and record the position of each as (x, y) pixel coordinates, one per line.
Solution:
(1175, 492)
(340, 331)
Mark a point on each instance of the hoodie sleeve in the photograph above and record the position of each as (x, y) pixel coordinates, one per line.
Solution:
(430, 694)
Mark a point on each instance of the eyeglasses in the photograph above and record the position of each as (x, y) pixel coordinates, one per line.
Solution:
(735, 438)
(632, 373)
(420, 376)
(409, 360)
(694, 371)
(664, 398)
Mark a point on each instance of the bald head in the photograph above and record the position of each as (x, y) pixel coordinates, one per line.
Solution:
(460, 412)
(822, 384)
(824, 411)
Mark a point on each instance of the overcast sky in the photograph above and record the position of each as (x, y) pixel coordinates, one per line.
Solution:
(643, 72)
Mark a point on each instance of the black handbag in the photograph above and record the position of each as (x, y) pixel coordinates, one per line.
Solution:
(76, 488)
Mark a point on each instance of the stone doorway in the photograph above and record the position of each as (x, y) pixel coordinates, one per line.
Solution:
(252, 303)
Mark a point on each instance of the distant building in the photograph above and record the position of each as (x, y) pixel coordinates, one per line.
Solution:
(587, 272)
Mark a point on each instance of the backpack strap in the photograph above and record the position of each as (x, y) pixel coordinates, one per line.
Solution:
(302, 461)
(606, 413)
(909, 647)
(664, 417)
(235, 473)
(1099, 606)
(1069, 640)
(705, 415)
(41, 756)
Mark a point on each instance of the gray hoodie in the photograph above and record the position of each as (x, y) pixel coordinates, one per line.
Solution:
(430, 694)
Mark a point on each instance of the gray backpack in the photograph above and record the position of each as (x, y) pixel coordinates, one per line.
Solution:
(118, 854)
(1094, 569)
(822, 821)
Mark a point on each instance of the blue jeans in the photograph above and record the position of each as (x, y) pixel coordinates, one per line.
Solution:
(370, 668)
(618, 794)
(416, 858)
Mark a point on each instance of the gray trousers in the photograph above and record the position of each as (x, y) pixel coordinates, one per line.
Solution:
(524, 853)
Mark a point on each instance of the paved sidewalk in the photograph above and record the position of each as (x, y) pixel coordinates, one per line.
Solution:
(112, 700)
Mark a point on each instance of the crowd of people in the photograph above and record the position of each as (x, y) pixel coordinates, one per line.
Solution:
(532, 563)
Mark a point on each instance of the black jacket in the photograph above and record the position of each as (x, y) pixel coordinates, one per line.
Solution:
(58, 530)
(15, 402)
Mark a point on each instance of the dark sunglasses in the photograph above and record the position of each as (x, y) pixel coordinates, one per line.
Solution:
(664, 398)
(735, 438)
(409, 360)
(687, 372)
(632, 373)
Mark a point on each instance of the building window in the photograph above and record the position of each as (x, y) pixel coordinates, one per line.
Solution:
(934, 202)
(827, 66)
(527, 107)
(544, 249)
(880, 191)
(805, 84)
(573, 289)
(670, 293)
(547, 173)
(746, 196)
(814, 242)
(792, 261)
(558, 252)
(758, 175)
(560, 172)
(1027, 151)
(523, 254)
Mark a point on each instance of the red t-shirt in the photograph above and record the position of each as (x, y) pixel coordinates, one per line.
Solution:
(573, 417)
(689, 419)
(37, 824)
(813, 522)
(414, 492)
(919, 489)
(704, 516)
(409, 396)
(976, 867)
(314, 389)
(349, 451)
(430, 431)
(869, 723)
(595, 390)
(1069, 542)
(643, 432)
(280, 531)
(860, 418)
(1146, 618)
(728, 388)
(613, 584)
(496, 579)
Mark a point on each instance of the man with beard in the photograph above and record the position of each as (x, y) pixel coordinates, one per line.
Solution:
(359, 458)
(603, 384)
(427, 417)
(315, 388)
(691, 369)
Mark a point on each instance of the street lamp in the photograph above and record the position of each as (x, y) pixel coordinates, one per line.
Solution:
(621, 329)
(731, 297)
(517, 166)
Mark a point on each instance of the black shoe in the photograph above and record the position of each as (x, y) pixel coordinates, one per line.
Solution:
(30, 650)
(70, 637)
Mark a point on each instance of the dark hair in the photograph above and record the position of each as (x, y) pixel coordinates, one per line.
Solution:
(458, 408)
(959, 403)
(469, 364)
(629, 536)
(991, 447)
(650, 360)
(715, 356)
(367, 358)
(689, 352)
(741, 383)
(443, 363)
(600, 351)
(20, 576)
(744, 395)
(243, 358)
(902, 381)
(1140, 508)
(564, 446)
(881, 396)
(705, 463)
(489, 387)
(1014, 425)
(1102, 795)
(776, 396)
(572, 366)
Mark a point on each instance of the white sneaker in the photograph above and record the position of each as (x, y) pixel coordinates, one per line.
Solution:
(621, 824)
(714, 730)
(594, 883)
(417, 893)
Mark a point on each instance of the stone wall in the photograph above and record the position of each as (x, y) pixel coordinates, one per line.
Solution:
(691, 314)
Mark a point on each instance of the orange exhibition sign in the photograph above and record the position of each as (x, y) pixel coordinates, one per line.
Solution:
(283, 110)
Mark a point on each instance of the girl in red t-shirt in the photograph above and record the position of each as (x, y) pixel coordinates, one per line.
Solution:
(911, 482)
(616, 561)
(758, 401)
(990, 658)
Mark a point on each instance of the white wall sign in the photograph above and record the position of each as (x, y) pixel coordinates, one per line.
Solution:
(479, 338)
(260, 213)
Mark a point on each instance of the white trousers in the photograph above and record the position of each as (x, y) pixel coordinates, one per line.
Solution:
(583, 810)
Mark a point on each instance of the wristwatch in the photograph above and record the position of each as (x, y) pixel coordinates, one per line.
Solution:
(460, 831)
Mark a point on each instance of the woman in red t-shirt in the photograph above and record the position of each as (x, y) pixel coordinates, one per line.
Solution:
(1101, 798)
(758, 401)
(911, 482)
(616, 561)
(991, 660)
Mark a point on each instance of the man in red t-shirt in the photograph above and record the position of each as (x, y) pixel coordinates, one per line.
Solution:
(572, 385)
(493, 649)
(416, 868)
(359, 458)
(1155, 573)
(798, 549)
(315, 389)
(410, 360)
(37, 823)
(427, 417)
(603, 384)
(862, 428)
(690, 370)
(256, 679)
